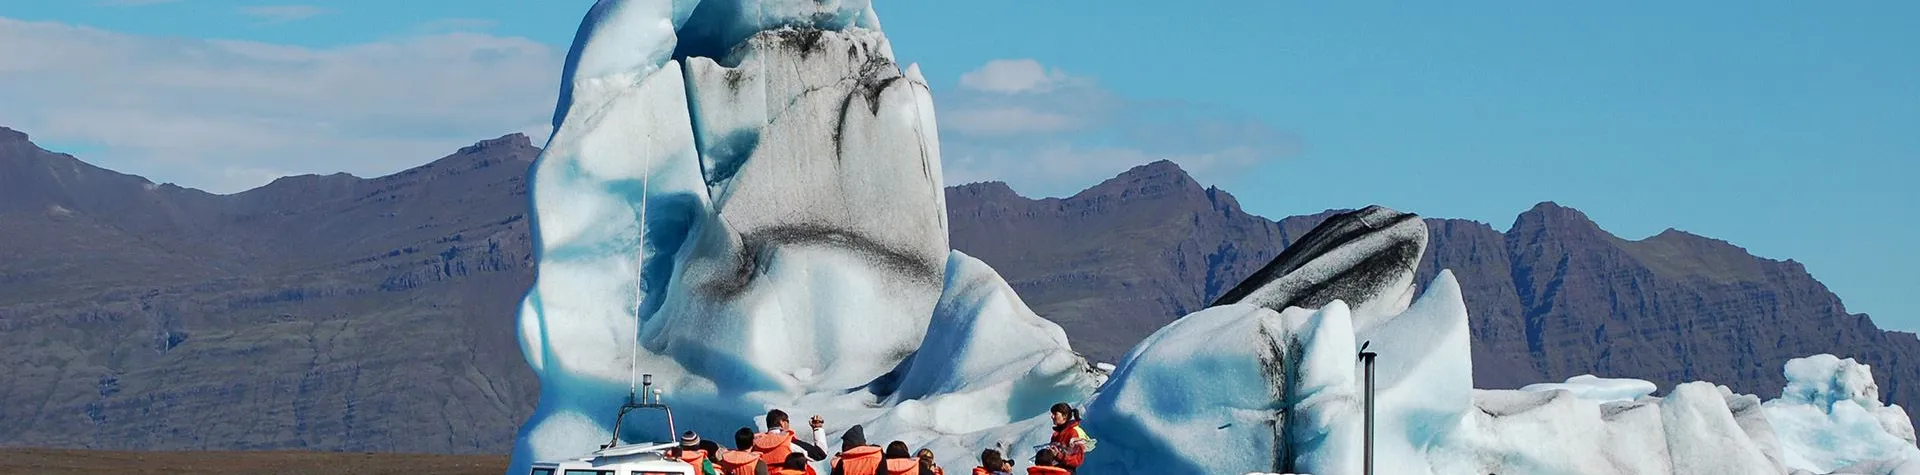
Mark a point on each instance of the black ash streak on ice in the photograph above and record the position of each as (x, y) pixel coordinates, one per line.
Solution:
(1358, 282)
(759, 244)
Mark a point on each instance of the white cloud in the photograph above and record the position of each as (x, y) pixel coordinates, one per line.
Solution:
(1013, 76)
(1050, 133)
(226, 115)
(283, 13)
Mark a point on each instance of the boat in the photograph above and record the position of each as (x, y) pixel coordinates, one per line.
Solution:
(615, 458)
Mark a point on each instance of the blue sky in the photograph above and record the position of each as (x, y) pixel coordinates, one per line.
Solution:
(1788, 128)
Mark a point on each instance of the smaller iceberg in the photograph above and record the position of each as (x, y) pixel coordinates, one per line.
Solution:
(1596, 388)
(1830, 419)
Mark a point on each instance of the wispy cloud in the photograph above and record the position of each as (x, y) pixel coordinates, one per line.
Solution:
(226, 116)
(1014, 76)
(283, 13)
(449, 25)
(1049, 132)
(131, 3)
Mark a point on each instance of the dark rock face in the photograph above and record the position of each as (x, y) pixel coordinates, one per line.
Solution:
(317, 312)
(1116, 262)
(1678, 307)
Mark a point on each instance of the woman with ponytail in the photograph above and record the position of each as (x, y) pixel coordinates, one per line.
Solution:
(1070, 443)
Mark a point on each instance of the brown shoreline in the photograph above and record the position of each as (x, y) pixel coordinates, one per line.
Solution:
(31, 461)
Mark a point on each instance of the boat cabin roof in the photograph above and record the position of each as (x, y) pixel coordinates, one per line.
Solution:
(635, 459)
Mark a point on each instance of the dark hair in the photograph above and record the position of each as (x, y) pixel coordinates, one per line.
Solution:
(712, 448)
(855, 437)
(898, 450)
(743, 438)
(775, 417)
(990, 459)
(1066, 410)
(1045, 458)
(796, 462)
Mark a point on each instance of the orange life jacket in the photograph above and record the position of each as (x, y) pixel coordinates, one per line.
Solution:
(863, 460)
(1037, 470)
(693, 457)
(774, 470)
(773, 446)
(737, 462)
(903, 466)
(981, 471)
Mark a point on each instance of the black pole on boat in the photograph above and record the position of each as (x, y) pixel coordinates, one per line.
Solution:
(1366, 461)
(646, 388)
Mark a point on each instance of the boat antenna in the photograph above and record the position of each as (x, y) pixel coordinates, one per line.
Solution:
(639, 273)
(639, 308)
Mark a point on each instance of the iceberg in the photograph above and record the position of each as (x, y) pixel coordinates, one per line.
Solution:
(1588, 386)
(1830, 417)
(743, 200)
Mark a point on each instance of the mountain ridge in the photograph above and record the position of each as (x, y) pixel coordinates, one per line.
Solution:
(368, 310)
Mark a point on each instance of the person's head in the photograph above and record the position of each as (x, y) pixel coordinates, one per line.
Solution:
(926, 456)
(712, 448)
(854, 438)
(776, 419)
(990, 460)
(743, 438)
(898, 450)
(1063, 413)
(689, 440)
(1045, 458)
(795, 461)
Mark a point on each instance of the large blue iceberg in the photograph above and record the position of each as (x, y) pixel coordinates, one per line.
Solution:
(744, 200)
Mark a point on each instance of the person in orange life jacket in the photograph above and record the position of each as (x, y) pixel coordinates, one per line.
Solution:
(926, 461)
(690, 452)
(796, 465)
(899, 460)
(991, 463)
(1069, 440)
(691, 456)
(713, 456)
(738, 462)
(1047, 463)
(856, 457)
(780, 440)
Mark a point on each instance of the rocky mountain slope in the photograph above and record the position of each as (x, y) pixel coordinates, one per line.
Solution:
(320, 312)
(341, 313)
